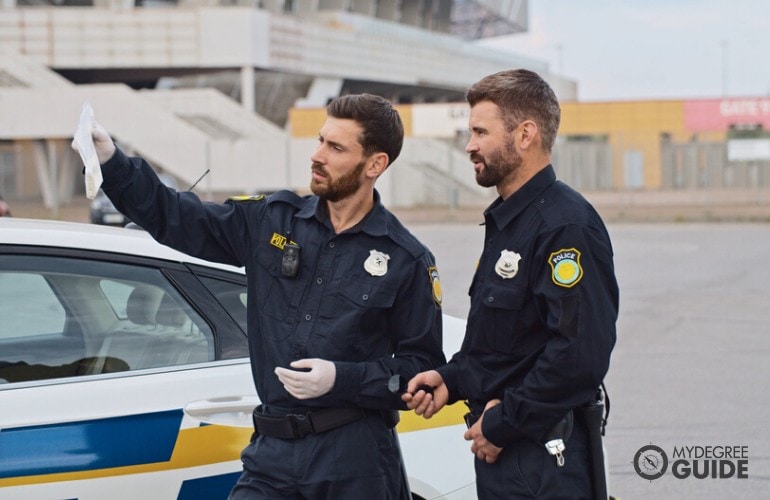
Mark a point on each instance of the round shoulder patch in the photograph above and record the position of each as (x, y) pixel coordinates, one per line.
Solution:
(435, 284)
(565, 267)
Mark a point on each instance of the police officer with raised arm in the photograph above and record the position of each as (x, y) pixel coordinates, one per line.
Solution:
(544, 302)
(341, 298)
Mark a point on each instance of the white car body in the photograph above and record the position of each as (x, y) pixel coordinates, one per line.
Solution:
(126, 435)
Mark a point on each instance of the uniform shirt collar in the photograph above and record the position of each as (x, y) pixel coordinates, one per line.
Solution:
(373, 223)
(504, 211)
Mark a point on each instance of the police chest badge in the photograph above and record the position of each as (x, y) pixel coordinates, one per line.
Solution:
(508, 264)
(565, 267)
(377, 263)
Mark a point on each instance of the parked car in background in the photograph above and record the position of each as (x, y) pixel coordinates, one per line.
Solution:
(104, 212)
(117, 354)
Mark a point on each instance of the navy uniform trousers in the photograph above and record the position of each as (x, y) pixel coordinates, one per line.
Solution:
(527, 470)
(360, 460)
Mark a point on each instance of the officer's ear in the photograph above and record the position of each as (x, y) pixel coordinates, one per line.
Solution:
(528, 133)
(377, 164)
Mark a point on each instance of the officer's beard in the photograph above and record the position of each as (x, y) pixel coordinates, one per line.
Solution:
(337, 189)
(501, 163)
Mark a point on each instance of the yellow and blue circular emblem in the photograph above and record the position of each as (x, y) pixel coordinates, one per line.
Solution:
(435, 284)
(565, 267)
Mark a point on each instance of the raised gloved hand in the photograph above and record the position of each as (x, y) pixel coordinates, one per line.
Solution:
(103, 144)
(314, 377)
(105, 148)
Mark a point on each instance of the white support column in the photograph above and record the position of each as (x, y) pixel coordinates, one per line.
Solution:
(247, 88)
(45, 178)
(69, 173)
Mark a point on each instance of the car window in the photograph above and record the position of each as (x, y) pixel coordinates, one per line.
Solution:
(43, 315)
(117, 293)
(69, 317)
(230, 296)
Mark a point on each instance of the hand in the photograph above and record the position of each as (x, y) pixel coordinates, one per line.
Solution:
(308, 384)
(103, 144)
(423, 403)
(483, 449)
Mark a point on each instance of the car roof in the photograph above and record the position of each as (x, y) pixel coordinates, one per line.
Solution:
(78, 235)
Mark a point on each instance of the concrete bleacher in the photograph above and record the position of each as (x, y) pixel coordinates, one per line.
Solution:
(275, 56)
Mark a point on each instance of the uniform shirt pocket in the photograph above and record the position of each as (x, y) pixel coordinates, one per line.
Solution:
(503, 316)
(276, 295)
(359, 314)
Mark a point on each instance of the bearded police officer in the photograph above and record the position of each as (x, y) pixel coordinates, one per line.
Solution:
(544, 302)
(341, 298)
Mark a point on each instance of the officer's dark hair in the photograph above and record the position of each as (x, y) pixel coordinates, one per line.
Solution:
(521, 95)
(383, 130)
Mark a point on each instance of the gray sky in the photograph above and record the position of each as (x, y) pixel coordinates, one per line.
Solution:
(644, 49)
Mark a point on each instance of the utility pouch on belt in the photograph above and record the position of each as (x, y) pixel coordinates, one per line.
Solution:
(556, 438)
(595, 419)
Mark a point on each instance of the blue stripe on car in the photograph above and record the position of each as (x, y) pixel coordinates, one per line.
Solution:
(88, 445)
(206, 488)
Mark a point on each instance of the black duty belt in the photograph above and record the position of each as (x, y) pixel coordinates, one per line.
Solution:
(299, 425)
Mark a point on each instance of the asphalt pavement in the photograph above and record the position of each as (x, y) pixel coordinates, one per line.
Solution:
(690, 370)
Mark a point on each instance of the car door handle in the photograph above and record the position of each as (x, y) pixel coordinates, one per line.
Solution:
(234, 411)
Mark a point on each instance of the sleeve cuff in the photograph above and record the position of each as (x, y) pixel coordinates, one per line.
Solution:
(448, 373)
(117, 169)
(496, 430)
(347, 380)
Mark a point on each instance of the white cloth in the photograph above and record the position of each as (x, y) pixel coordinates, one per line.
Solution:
(84, 143)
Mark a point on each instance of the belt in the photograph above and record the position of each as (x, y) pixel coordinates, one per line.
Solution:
(299, 425)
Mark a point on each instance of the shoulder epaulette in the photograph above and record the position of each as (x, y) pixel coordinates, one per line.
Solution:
(404, 238)
(247, 197)
(286, 196)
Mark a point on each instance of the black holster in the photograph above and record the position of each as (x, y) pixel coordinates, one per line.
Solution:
(593, 417)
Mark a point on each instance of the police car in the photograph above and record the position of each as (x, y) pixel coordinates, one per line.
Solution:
(124, 373)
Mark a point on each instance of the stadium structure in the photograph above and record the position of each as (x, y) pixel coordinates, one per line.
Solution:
(200, 86)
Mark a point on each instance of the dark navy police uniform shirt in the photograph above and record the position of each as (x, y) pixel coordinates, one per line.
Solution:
(544, 301)
(371, 324)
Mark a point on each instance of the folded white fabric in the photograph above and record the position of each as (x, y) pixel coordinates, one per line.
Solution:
(84, 143)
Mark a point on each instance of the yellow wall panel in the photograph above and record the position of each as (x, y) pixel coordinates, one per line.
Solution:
(306, 122)
(606, 118)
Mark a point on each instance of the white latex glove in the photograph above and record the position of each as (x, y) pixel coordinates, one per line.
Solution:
(102, 143)
(308, 384)
(105, 148)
